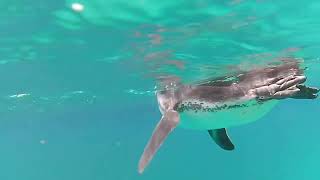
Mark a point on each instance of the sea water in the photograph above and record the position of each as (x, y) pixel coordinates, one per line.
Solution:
(78, 80)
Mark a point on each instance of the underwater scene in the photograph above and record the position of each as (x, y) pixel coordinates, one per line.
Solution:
(159, 90)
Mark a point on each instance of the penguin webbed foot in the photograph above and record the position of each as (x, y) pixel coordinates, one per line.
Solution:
(306, 92)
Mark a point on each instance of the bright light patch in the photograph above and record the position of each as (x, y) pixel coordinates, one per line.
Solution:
(77, 7)
(43, 141)
(18, 95)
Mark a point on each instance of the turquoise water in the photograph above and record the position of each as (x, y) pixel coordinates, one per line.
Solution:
(76, 98)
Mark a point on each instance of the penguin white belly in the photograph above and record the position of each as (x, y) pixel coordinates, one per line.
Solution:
(225, 117)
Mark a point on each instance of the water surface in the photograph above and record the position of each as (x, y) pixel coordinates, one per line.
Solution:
(76, 100)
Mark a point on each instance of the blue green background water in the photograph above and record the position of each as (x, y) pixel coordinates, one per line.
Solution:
(76, 94)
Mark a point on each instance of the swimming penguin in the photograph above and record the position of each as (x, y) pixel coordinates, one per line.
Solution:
(220, 103)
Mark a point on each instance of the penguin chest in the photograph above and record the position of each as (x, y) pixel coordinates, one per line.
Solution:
(204, 116)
